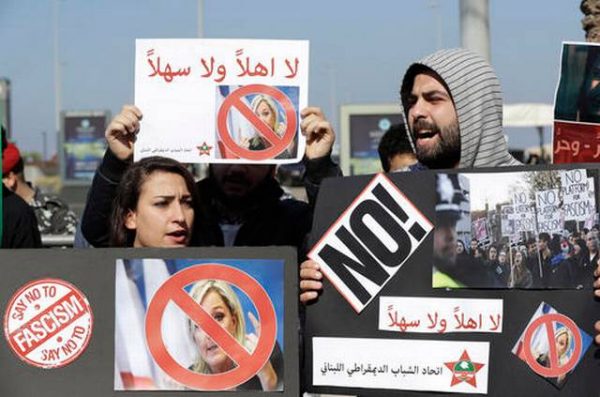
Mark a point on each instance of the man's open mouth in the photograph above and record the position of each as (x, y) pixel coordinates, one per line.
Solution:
(426, 134)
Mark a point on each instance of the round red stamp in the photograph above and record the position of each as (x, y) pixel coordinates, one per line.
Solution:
(48, 323)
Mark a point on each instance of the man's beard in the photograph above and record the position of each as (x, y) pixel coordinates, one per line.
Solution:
(446, 154)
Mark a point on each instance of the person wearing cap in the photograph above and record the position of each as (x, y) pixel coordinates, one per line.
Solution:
(19, 225)
(453, 108)
(53, 215)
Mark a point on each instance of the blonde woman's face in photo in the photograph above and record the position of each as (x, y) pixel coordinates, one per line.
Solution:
(562, 345)
(216, 359)
(266, 114)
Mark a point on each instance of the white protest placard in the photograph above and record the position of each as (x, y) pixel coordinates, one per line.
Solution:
(440, 315)
(425, 365)
(548, 211)
(370, 241)
(575, 192)
(524, 212)
(221, 101)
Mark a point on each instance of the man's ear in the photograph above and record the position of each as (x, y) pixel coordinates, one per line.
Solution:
(10, 181)
(131, 220)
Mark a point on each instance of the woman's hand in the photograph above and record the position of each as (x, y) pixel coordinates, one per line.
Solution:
(122, 131)
(267, 375)
(318, 132)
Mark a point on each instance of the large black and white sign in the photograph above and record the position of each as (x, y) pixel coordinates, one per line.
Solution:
(369, 243)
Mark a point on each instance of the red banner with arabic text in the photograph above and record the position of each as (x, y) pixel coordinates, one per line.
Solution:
(576, 143)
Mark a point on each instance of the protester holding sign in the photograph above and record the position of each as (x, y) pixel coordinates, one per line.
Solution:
(154, 205)
(240, 204)
(220, 301)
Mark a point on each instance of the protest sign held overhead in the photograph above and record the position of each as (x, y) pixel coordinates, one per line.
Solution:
(578, 195)
(221, 101)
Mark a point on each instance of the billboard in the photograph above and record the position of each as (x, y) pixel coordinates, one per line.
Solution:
(82, 144)
(362, 127)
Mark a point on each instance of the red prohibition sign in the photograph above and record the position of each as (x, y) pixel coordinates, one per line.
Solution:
(555, 370)
(278, 144)
(248, 364)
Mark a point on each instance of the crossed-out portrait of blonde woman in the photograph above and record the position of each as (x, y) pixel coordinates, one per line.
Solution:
(221, 302)
(266, 110)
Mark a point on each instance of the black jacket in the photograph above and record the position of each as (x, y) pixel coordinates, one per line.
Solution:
(20, 229)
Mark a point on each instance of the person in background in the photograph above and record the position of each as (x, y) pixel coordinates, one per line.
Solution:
(520, 276)
(19, 224)
(473, 246)
(542, 272)
(395, 151)
(53, 215)
(583, 270)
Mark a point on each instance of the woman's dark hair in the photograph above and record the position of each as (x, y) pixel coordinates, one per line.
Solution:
(130, 187)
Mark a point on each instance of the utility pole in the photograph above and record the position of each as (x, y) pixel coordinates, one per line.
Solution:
(475, 27)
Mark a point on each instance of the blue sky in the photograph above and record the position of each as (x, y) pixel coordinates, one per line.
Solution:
(359, 50)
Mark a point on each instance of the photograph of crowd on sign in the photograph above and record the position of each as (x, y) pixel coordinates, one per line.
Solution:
(198, 324)
(552, 344)
(577, 105)
(257, 122)
(535, 229)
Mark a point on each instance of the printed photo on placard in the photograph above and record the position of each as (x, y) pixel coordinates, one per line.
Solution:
(199, 324)
(254, 121)
(577, 105)
(535, 229)
(552, 344)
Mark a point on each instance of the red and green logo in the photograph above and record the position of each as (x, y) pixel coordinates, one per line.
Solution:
(464, 370)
